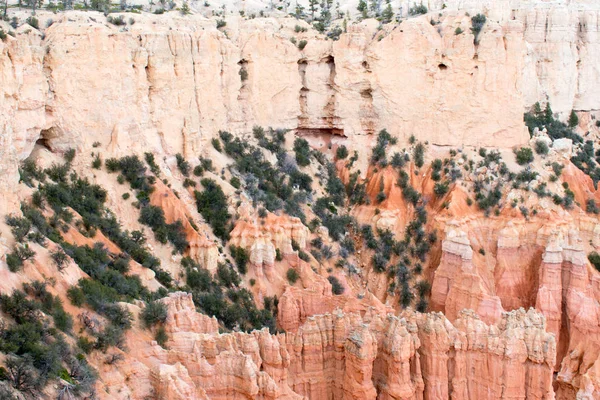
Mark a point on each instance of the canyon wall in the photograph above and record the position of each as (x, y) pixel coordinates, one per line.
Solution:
(349, 356)
(168, 83)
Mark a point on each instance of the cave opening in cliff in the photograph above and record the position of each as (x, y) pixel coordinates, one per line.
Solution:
(319, 132)
(43, 140)
(442, 67)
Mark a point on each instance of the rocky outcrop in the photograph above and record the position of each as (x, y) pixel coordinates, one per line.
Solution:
(150, 87)
(263, 236)
(539, 263)
(201, 248)
(357, 356)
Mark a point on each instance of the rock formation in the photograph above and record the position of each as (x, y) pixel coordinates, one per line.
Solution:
(168, 84)
(349, 356)
(61, 89)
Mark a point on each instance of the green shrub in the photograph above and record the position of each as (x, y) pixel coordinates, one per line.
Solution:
(594, 259)
(524, 155)
(302, 150)
(417, 9)
(28, 171)
(241, 257)
(161, 336)
(149, 157)
(60, 258)
(76, 296)
(221, 23)
(383, 139)
(118, 21)
(341, 152)
(19, 227)
(33, 22)
(302, 44)
(182, 164)
(419, 154)
(212, 204)
(97, 162)
(441, 188)
(336, 286)
(458, 31)
(216, 144)
(477, 23)
(154, 313)
(541, 147)
(573, 119)
(292, 275)
(592, 207)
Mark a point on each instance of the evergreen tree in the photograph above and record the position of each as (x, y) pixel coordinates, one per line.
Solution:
(573, 119)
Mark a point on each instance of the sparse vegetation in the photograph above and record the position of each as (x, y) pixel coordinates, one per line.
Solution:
(524, 155)
(292, 275)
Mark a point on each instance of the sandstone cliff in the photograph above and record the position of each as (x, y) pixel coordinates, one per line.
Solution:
(152, 87)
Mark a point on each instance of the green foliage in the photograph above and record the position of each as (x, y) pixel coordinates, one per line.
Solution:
(302, 150)
(97, 162)
(417, 9)
(541, 147)
(161, 336)
(419, 155)
(592, 207)
(149, 157)
(33, 22)
(524, 155)
(594, 259)
(341, 152)
(292, 275)
(59, 257)
(19, 227)
(69, 155)
(440, 188)
(241, 257)
(28, 171)
(19, 255)
(221, 297)
(573, 119)
(336, 286)
(383, 139)
(154, 313)
(183, 165)
(545, 119)
(216, 144)
(221, 23)
(174, 233)
(477, 23)
(458, 31)
(117, 21)
(39, 351)
(302, 44)
(212, 204)
(76, 296)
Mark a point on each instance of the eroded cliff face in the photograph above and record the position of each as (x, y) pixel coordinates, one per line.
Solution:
(168, 83)
(351, 355)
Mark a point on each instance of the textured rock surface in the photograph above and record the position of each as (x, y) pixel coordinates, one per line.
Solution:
(167, 84)
(153, 87)
(349, 356)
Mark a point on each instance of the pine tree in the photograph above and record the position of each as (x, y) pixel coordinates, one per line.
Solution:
(313, 7)
(185, 9)
(363, 8)
(573, 119)
(388, 14)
